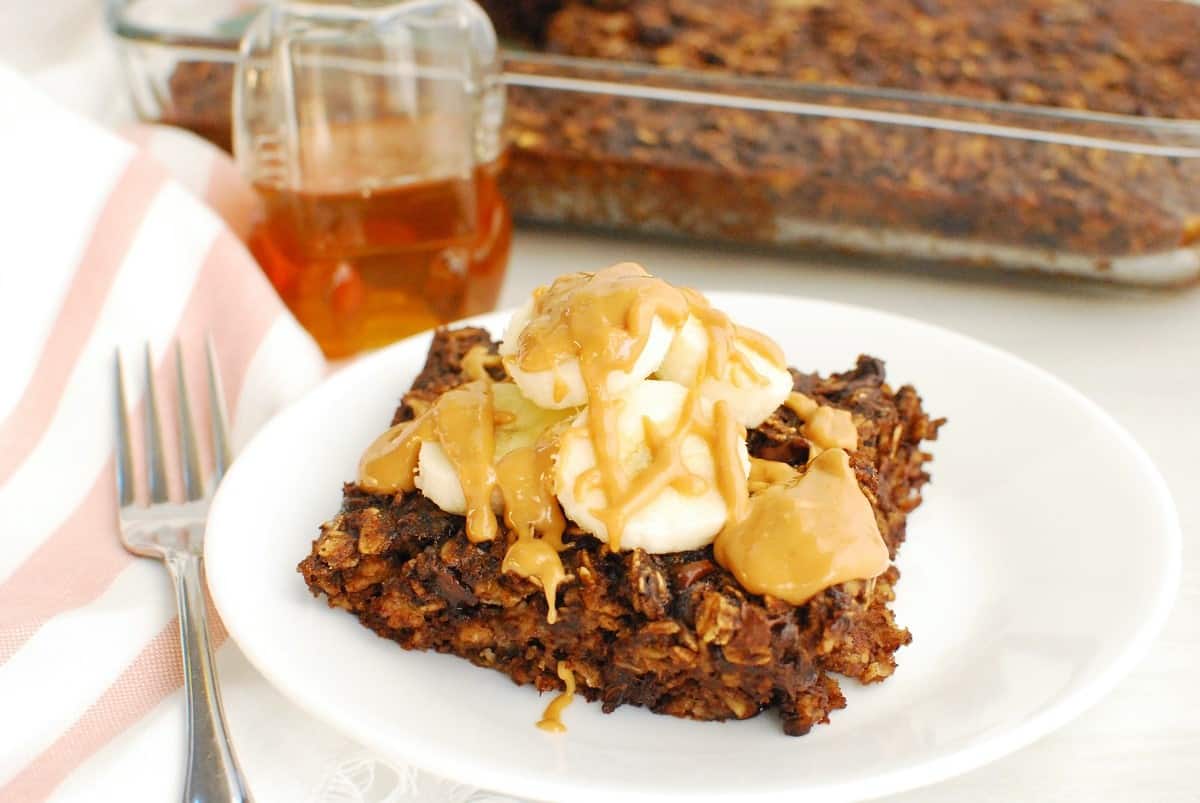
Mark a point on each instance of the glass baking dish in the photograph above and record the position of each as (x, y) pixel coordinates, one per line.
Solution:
(179, 58)
(868, 171)
(776, 162)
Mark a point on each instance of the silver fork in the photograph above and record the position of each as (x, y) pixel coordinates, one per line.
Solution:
(173, 532)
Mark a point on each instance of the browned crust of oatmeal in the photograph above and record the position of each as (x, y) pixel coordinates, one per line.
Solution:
(674, 633)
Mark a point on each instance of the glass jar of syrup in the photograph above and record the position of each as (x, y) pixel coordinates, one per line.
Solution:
(372, 132)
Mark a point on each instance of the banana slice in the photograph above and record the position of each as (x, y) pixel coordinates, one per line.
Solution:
(685, 514)
(752, 394)
(437, 479)
(561, 386)
(519, 422)
(516, 325)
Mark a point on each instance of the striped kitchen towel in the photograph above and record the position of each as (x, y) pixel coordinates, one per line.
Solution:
(112, 241)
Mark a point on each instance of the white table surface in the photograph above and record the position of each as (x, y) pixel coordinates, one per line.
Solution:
(1136, 353)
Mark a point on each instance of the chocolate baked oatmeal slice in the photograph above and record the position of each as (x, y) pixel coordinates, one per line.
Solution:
(675, 632)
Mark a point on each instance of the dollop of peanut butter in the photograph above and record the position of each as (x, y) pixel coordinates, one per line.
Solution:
(552, 717)
(825, 427)
(765, 473)
(798, 539)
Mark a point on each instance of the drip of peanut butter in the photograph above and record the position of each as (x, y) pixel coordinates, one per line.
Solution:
(535, 559)
(730, 473)
(524, 437)
(552, 717)
(525, 479)
(464, 420)
(666, 468)
(762, 345)
(389, 463)
(526, 483)
(825, 427)
(797, 540)
(723, 339)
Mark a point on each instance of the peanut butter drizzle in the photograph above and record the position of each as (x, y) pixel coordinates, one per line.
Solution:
(464, 420)
(666, 467)
(536, 560)
(524, 476)
(730, 475)
(552, 716)
(797, 540)
(723, 339)
(604, 320)
(825, 427)
(762, 345)
(389, 463)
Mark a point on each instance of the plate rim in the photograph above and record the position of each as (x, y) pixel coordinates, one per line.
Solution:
(1063, 710)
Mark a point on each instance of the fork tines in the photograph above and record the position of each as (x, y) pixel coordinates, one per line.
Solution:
(189, 455)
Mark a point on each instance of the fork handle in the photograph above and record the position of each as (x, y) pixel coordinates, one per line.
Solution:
(213, 774)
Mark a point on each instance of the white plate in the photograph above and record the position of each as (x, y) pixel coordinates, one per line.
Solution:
(1044, 560)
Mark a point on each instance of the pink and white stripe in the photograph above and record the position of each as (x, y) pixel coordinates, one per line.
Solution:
(117, 242)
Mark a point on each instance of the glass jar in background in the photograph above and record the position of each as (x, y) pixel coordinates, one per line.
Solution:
(371, 131)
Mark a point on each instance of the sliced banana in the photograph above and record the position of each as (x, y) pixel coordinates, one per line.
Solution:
(516, 325)
(684, 515)
(519, 422)
(562, 386)
(437, 479)
(752, 395)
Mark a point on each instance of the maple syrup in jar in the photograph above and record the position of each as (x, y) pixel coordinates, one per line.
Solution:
(371, 134)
